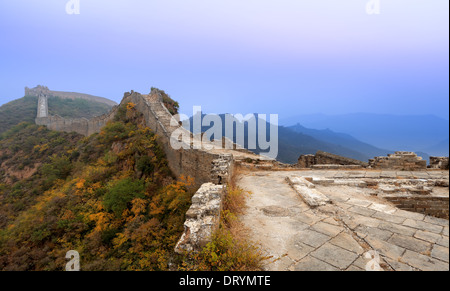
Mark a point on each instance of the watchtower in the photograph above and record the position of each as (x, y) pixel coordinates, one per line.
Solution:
(42, 110)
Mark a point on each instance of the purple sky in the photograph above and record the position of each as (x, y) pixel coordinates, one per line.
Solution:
(287, 57)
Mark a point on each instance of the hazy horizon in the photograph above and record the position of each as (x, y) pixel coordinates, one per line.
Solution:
(283, 57)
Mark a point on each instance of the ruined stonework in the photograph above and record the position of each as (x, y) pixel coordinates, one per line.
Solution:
(407, 161)
(306, 161)
(36, 91)
(222, 168)
(202, 218)
(429, 205)
(324, 158)
(439, 163)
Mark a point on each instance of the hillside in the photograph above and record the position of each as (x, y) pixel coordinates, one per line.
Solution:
(111, 196)
(293, 144)
(24, 110)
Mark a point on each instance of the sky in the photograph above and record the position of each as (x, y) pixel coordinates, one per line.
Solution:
(285, 57)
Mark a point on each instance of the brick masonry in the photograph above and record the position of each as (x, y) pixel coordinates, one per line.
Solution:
(433, 206)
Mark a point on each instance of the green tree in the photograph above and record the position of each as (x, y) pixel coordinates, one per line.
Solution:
(120, 194)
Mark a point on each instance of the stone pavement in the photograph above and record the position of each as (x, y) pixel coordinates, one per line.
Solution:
(343, 234)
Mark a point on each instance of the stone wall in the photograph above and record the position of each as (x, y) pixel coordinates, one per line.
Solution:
(202, 218)
(434, 206)
(407, 161)
(199, 164)
(210, 170)
(82, 126)
(439, 163)
(324, 158)
(306, 161)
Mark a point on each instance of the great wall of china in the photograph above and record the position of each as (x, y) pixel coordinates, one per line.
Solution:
(211, 168)
(322, 213)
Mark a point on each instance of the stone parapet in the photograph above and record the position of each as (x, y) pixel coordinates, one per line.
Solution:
(202, 218)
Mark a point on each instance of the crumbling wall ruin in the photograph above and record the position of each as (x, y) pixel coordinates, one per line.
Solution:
(439, 163)
(324, 158)
(306, 161)
(407, 161)
(202, 218)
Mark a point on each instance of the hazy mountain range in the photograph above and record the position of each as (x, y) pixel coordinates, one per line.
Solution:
(297, 140)
(420, 133)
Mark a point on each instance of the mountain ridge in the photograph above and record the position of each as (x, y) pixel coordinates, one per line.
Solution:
(386, 131)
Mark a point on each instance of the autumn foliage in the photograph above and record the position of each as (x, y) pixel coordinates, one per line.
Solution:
(110, 196)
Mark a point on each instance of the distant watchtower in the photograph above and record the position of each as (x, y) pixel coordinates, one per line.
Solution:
(42, 110)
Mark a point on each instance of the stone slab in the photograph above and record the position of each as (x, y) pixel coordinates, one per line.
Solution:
(423, 263)
(311, 196)
(410, 243)
(335, 256)
(312, 264)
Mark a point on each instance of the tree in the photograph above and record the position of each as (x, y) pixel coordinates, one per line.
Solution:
(119, 196)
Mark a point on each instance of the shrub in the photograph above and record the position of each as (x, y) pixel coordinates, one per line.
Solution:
(59, 167)
(145, 165)
(120, 194)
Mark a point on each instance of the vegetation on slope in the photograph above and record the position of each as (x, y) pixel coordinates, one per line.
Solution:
(17, 111)
(111, 197)
(30, 163)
